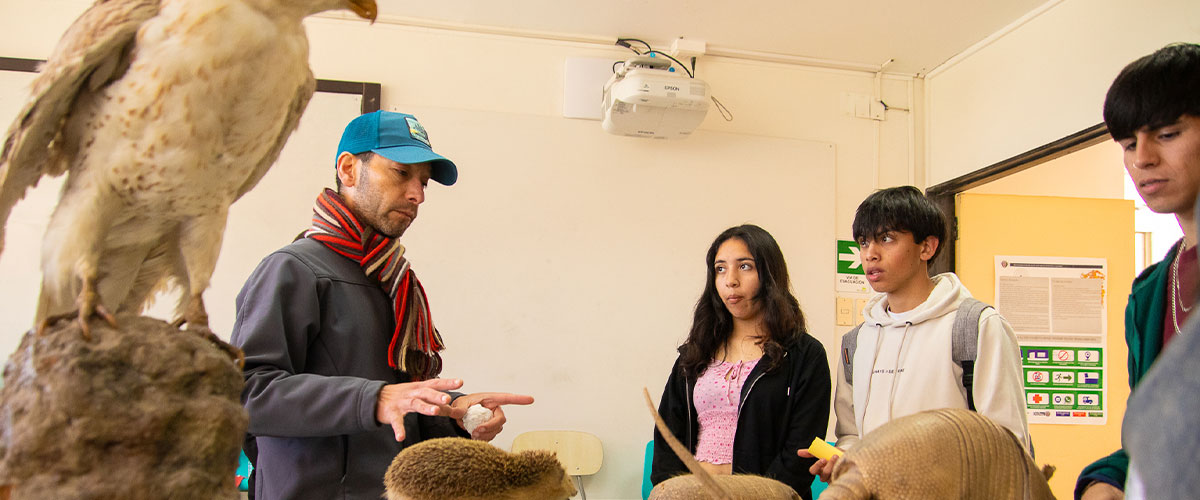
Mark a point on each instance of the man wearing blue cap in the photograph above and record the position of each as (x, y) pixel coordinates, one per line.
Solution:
(341, 351)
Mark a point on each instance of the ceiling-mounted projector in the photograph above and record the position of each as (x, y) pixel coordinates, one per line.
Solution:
(646, 99)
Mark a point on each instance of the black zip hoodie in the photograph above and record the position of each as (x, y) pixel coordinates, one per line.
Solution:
(781, 412)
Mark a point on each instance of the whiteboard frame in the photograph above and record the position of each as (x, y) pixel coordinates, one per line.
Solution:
(370, 92)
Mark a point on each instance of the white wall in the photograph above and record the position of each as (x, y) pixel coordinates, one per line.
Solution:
(566, 262)
(1042, 81)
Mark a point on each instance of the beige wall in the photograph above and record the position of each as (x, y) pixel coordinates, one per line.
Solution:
(1042, 81)
(566, 262)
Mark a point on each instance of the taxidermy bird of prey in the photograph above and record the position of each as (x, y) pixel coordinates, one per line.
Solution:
(162, 113)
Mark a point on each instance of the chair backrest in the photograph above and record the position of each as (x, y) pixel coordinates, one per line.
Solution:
(243, 472)
(580, 453)
(646, 484)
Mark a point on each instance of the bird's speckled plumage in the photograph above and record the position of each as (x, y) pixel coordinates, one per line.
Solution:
(162, 113)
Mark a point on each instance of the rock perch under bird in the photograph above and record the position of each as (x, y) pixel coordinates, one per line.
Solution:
(140, 412)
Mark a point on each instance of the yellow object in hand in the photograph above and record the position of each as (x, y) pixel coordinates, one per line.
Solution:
(822, 450)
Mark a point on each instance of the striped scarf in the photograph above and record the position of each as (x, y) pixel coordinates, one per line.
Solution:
(382, 258)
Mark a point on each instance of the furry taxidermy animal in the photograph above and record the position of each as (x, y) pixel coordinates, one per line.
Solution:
(950, 453)
(162, 113)
(702, 485)
(466, 469)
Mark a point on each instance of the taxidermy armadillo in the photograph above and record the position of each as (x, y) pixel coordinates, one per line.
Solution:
(701, 485)
(466, 469)
(947, 453)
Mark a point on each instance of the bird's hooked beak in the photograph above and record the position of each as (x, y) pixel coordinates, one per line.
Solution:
(364, 8)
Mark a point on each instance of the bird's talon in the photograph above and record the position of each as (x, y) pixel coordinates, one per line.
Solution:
(44, 325)
(107, 316)
(85, 329)
(239, 358)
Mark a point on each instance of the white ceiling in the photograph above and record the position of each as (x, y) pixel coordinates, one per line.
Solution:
(918, 34)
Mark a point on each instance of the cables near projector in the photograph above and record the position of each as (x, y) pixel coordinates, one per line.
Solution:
(646, 99)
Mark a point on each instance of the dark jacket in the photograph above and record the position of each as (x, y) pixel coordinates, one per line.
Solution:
(781, 412)
(1144, 315)
(315, 331)
(1159, 430)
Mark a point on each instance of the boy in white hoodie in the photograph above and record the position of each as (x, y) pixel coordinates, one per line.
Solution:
(903, 362)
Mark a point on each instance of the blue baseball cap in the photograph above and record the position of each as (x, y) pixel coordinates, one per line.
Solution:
(397, 137)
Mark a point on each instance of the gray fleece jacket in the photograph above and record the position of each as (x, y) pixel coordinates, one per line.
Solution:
(315, 331)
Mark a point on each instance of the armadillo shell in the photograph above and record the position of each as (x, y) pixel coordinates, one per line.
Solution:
(948, 453)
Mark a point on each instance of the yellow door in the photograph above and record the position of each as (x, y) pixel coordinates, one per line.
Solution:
(990, 225)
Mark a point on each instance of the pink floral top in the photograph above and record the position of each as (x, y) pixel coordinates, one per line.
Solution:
(717, 395)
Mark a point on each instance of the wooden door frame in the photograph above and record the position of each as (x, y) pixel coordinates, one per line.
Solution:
(943, 194)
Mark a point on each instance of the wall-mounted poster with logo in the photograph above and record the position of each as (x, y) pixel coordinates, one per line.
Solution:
(1058, 308)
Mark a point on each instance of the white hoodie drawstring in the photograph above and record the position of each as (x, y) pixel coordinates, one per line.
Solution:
(895, 370)
(896, 374)
(871, 374)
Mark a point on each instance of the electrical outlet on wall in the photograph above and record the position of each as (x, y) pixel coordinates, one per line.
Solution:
(845, 311)
(859, 305)
(863, 106)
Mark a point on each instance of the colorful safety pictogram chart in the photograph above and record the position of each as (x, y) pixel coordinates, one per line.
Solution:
(1058, 309)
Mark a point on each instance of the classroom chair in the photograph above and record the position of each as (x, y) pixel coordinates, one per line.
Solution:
(243, 471)
(580, 453)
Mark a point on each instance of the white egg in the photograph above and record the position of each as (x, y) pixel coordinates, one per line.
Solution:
(476, 415)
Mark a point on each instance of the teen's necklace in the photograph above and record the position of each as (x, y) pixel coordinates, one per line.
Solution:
(1176, 296)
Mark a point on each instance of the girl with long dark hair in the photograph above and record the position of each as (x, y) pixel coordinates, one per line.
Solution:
(750, 386)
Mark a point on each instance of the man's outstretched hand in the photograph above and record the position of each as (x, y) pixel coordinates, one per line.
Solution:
(492, 401)
(426, 397)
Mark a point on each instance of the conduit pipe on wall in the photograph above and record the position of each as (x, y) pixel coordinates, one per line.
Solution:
(912, 136)
(877, 98)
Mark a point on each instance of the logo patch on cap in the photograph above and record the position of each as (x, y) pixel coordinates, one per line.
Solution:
(416, 131)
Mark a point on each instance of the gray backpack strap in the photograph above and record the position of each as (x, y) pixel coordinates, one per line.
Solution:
(849, 345)
(964, 342)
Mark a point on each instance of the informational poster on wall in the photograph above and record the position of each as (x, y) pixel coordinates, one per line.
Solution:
(1058, 308)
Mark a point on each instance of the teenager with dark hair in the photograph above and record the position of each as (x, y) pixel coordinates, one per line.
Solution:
(1160, 429)
(750, 386)
(905, 356)
(1153, 111)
